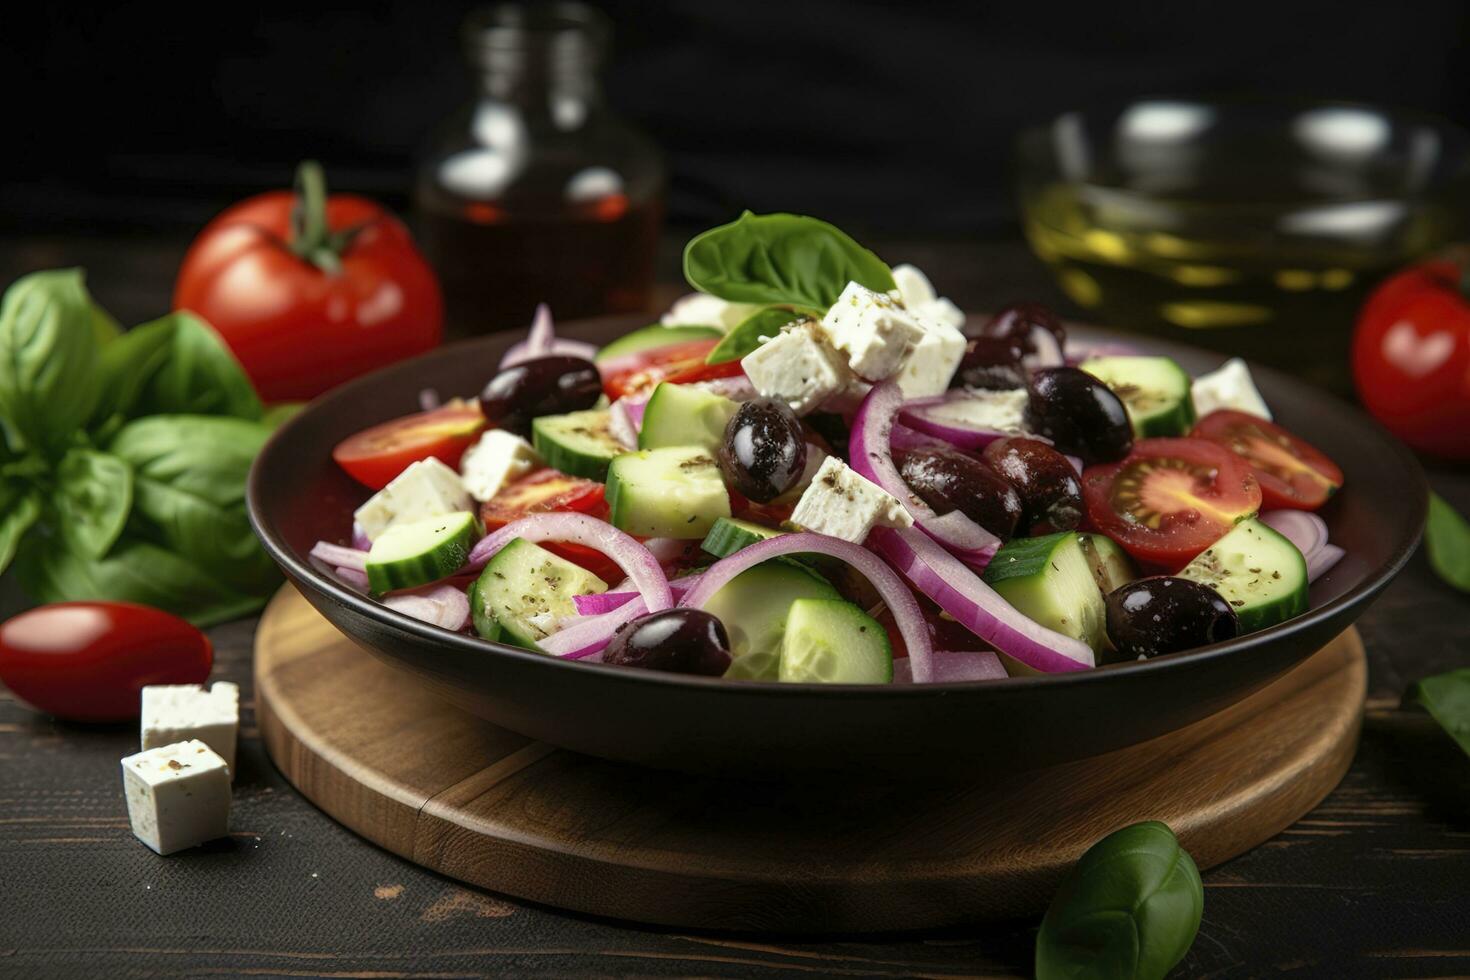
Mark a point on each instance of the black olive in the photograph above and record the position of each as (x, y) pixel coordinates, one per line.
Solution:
(1050, 488)
(990, 363)
(550, 385)
(1164, 614)
(764, 451)
(1079, 414)
(684, 641)
(949, 480)
(1023, 323)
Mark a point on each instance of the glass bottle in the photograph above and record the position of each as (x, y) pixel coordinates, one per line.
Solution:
(536, 192)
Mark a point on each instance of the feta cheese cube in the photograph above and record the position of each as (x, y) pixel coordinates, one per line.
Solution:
(843, 504)
(704, 310)
(426, 489)
(932, 362)
(797, 367)
(872, 330)
(1231, 386)
(918, 296)
(179, 712)
(498, 458)
(178, 795)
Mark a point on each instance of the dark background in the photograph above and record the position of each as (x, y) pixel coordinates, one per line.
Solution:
(890, 118)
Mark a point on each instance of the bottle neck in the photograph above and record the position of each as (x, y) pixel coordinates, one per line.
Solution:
(538, 58)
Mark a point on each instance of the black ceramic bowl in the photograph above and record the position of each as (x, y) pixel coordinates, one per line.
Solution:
(297, 495)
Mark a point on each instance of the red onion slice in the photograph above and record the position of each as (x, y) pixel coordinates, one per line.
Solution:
(360, 539)
(604, 602)
(1321, 562)
(339, 556)
(621, 425)
(352, 578)
(955, 667)
(542, 340)
(1304, 529)
(429, 399)
(979, 608)
(926, 416)
(737, 389)
(443, 605)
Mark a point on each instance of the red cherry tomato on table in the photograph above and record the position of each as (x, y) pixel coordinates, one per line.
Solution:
(373, 457)
(677, 363)
(308, 296)
(1291, 471)
(89, 661)
(547, 491)
(1411, 358)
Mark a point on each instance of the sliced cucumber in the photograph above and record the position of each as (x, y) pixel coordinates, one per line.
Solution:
(579, 443)
(675, 492)
(420, 552)
(1258, 571)
(1111, 566)
(728, 535)
(832, 641)
(1155, 390)
(519, 586)
(658, 335)
(753, 607)
(681, 415)
(1049, 580)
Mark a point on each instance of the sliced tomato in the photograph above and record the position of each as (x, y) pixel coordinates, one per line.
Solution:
(1170, 499)
(544, 492)
(1291, 471)
(679, 363)
(373, 457)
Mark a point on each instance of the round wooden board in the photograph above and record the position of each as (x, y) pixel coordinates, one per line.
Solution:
(453, 793)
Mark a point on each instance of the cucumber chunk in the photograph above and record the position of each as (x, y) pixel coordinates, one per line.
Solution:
(1154, 390)
(1111, 565)
(522, 583)
(753, 607)
(420, 552)
(1049, 579)
(681, 415)
(1258, 571)
(578, 443)
(728, 535)
(832, 641)
(675, 492)
(653, 337)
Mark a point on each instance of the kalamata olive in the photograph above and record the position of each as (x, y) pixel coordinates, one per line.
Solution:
(949, 480)
(550, 385)
(1051, 493)
(763, 452)
(1164, 614)
(684, 641)
(990, 363)
(1079, 414)
(1028, 324)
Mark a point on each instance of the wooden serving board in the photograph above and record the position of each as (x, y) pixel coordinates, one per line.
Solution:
(446, 790)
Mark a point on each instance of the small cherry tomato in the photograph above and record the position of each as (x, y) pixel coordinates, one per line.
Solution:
(373, 457)
(1170, 499)
(1411, 357)
(678, 363)
(89, 661)
(1291, 471)
(547, 491)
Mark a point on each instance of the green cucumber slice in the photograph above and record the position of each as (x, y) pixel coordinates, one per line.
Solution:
(682, 415)
(832, 641)
(676, 492)
(753, 607)
(653, 337)
(746, 336)
(522, 582)
(1049, 580)
(1155, 390)
(578, 443)
(1111, 565)
(420, 552)
(728, 535)
(1258, 571)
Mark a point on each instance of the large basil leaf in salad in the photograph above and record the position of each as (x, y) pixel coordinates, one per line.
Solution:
(48, 360)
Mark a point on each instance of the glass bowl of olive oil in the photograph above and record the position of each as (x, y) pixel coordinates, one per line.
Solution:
(1253, 228)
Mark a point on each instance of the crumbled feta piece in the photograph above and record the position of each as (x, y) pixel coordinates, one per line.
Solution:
(843, 504)
(797, 367)
(178, 795)
(426, 489)
(1231, 386)
(498, 458)
(175, 713)
(918, 296)
(704, 310)
(872, 330)
(932, 362)
(997, 411)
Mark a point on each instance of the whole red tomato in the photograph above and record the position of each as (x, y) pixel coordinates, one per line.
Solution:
(308, 290)
(1411, 357)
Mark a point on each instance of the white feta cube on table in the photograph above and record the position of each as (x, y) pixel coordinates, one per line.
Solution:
(932, 362)
(872, 330)
(797, 367)
(917, 295)
(178, 795)
(704, 310)
(498, 458)
(1231, 386)
(175, 713)
(427, 488)
(845, 505)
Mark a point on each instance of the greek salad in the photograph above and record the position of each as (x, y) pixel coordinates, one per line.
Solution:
(816, 469)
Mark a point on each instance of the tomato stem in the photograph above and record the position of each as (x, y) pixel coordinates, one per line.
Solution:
(311, 239)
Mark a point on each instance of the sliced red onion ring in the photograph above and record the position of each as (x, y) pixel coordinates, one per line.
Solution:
(979, 608)
(1048, 353)
(605, 602)
(353, 578)
(340, 556)
(1077, 351)
(443, 605)
(1321, 562)
(926, 416)
(1302, 528)
(621, 425)
(955, 667)
(1077, 463)
(360, 539)
(905, 439)
(542, 340)
(737, 389)
(890, 588)
(429, 399)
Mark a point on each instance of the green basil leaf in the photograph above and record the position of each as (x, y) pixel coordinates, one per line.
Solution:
(280, 413)
(128, 364)
(105, 328)
(19, 509)
(1447, 699)
(94, 494)
(189, 492)
(1129, 909)
(746, 337)
(198, 375)
(48, 359)
(1447, 539)
(781, 259)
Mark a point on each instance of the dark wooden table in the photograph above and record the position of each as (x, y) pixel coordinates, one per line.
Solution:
(1374, 882)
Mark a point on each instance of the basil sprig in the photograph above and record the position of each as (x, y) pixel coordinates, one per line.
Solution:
(123, 457)
(1447, 539)
(1447, 699)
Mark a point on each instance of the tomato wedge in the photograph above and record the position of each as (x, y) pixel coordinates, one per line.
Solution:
(544, 492)
(1291, 471)
(373, 457)
(679, 363)
(1170, 499)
